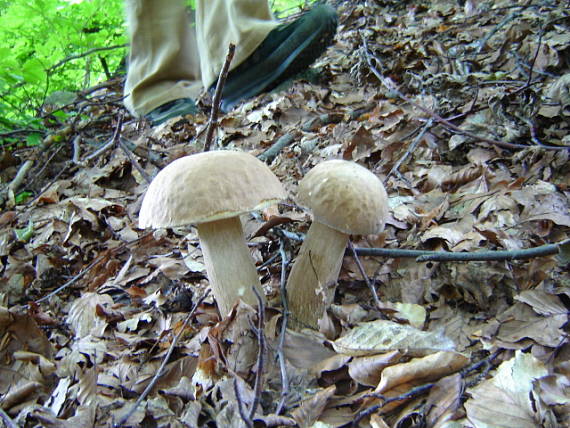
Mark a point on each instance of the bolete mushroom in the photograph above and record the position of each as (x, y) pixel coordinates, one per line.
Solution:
(211, 190)
(345, 199)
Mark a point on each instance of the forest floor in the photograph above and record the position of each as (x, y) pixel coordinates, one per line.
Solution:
(463, 112)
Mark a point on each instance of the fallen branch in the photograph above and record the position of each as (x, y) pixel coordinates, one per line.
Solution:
(275, 149)
(245, 418)
(212, 123)
(448, 256)
(165, 360)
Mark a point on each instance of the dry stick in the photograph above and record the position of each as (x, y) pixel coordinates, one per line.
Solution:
(52, 181)
(218, 97)
(260, 356)
(318, 121)
(20, 176)
(241, 410)
(133, 160)
(112, 142)
(366, 279)
(412, 147)
(7, 420)
(46, 164)
(275, 149)
(447, 256)
(90, 266)
(284, 320)
(392, 87)
(165, 360)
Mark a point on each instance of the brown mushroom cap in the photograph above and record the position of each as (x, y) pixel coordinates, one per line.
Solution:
(206, 187)
(345, 196)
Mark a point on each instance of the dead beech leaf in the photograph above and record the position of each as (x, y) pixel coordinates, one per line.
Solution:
(304, 350)
(542, 302)
(87, 383)
(310, 410)
(83, 318)
(414, 314)
(367, 370)
(421, 370)
(511, 394)
(381, 336)
(444, 399)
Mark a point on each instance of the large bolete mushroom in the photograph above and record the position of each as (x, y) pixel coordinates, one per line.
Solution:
(345, 199)
(211, 190)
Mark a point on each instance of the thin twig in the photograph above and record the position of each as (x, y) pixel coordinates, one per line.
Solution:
(22, 131)
(284, 320)
(412, 147)
(245, 418)
(111, 143)
(91, 265)
(7, 420)
(494, 31)
(414, 392)
(165, 361)
(366, 279)
(84, 54)
(447, 256)
(392, 87)
(218, 97)
(260, 356)
(132, 159)
(52, 181)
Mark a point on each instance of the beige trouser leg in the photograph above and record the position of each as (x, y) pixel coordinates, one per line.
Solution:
(169, 60)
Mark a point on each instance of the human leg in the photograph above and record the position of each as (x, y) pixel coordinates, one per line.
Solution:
(163, 62)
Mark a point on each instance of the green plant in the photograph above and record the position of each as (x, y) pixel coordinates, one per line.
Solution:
(52, 45)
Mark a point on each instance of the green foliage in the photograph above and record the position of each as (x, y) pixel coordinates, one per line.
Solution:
(36, 38)
(49, 46)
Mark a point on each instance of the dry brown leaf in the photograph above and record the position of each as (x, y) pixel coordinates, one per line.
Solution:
(509, 399)
(381, 336)
(305, 350)
(83, 319)
(445, 399)
(367, 370)
(421, 370)
(310, 410)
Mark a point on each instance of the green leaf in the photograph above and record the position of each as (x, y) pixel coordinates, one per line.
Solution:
(34, 71)
(26, 233)
(33, 140)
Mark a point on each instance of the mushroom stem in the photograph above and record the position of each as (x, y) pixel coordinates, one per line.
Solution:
(230, 267)
(312, 281)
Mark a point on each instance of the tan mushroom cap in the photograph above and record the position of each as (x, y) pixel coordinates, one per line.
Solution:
(345, 196)
(207, 187)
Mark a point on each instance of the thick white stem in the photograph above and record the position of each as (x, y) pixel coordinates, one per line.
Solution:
(230, 267)
(312, 281)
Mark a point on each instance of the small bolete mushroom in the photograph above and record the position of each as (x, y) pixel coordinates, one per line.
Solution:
(345, 199)
(211, 190)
